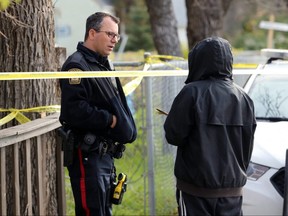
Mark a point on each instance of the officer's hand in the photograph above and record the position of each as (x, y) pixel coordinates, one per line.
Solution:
(114, 121)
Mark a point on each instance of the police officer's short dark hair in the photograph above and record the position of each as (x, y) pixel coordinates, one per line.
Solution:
(94, 21)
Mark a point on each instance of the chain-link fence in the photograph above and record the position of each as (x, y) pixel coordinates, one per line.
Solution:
(149, 161)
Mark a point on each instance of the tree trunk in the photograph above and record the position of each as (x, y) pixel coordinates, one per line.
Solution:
(205, 19)
(164, 27)
(27, 44)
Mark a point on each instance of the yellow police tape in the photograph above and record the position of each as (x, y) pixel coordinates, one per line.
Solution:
(159, 58)
(86, 74)
(132, 85)
(128, 88)
(21, 118)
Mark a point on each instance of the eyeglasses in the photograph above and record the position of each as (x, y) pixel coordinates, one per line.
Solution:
(111, 35)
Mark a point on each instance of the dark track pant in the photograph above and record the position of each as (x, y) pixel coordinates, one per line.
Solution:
(197, 206)
(90, 177)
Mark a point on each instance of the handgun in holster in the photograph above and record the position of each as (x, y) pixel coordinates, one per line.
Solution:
(68, 142)
(119, 189)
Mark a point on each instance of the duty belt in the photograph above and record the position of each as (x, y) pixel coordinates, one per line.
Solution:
(102, 145)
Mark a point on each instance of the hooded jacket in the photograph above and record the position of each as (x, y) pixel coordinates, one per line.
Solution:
(87, 105)
(212, 122)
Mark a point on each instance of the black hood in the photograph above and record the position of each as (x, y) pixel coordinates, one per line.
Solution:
(211, 57)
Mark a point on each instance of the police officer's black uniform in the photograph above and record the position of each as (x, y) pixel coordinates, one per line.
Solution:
(87, 106)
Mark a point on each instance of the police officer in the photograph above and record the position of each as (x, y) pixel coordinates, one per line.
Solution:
(95, 111)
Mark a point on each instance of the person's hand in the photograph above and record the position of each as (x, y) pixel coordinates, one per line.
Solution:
(113, 122)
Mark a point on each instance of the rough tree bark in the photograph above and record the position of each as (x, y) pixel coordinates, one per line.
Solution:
(164, 27)
(205, 18)
(27, 44)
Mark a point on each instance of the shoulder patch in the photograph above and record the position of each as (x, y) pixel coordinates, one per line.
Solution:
(74, 81)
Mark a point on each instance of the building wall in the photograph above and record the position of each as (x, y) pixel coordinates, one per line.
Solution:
(180, 13)
(70, 20)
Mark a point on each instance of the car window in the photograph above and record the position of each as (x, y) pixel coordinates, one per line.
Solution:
(270, 96)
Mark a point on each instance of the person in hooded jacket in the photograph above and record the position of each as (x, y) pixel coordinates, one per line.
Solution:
(95, 112)
(212, 123)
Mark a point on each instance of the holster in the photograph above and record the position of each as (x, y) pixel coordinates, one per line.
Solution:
(117, 150)
(68, 145)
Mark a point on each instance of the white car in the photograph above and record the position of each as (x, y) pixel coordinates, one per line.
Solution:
(265, 192)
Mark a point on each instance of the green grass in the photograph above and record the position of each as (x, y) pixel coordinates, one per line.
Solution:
(69, 196)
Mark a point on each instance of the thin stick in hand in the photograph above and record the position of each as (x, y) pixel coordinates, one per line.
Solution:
(161, 112)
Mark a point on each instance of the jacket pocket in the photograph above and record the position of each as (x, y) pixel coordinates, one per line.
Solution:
(125, 129)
